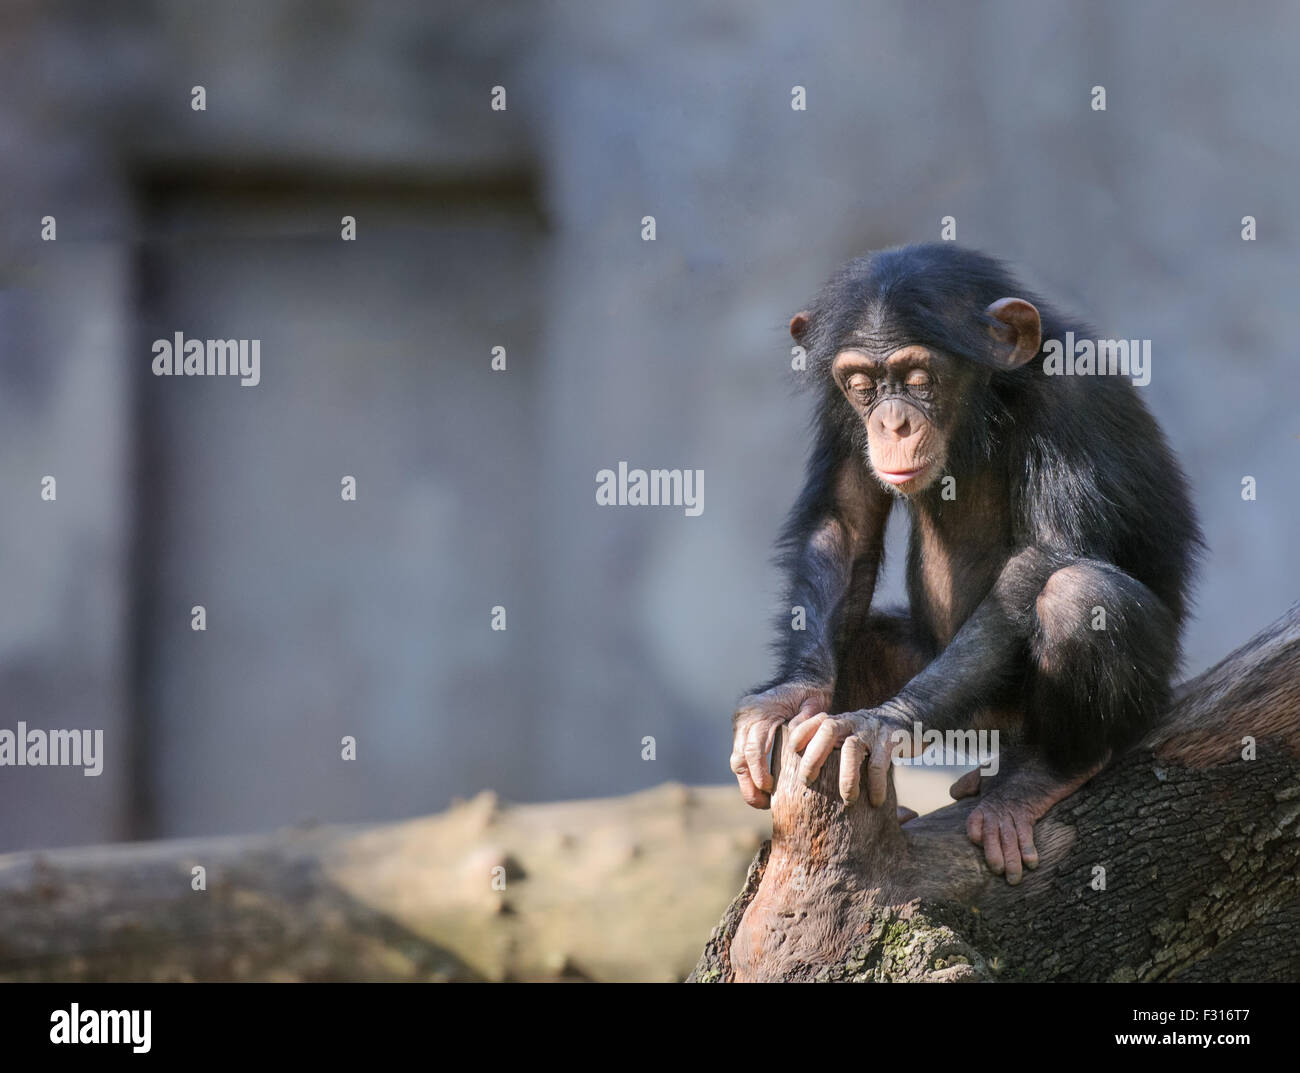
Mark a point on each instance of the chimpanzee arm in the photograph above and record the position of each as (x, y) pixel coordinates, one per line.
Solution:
(990, 649)
(1100, 648)
(831, 550)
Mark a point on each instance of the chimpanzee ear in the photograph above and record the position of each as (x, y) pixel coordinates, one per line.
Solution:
(799, 325)
(1016, 327)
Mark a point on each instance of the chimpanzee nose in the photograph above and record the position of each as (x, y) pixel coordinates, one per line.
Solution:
(894, 417)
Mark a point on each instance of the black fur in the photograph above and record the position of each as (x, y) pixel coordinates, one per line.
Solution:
(1090, 483)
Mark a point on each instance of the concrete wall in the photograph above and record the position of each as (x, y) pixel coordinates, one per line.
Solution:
(522, 228)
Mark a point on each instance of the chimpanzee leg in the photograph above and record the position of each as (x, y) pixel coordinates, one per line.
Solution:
(1102, 650)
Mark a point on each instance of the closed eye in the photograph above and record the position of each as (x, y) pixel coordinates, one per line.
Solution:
(859, 384)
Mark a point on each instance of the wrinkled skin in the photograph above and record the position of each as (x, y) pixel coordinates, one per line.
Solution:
(871, 735)
(754, 728)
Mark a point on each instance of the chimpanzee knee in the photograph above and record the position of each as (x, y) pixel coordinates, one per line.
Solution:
(1103, 650)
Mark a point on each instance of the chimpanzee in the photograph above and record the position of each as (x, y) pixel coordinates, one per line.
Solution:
(1052, 544)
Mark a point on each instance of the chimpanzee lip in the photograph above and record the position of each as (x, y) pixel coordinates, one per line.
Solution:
(903, 474)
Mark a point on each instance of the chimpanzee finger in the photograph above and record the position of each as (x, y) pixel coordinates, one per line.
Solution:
(1011, 866)
(818, 750)
(737, 763)
(1028, 851)
(756, 757)
(767, 751)
(903, 813)
(993, 847)
(801, 735)
(878, 773)
(975, 826)
(851, 757)
(754, 797)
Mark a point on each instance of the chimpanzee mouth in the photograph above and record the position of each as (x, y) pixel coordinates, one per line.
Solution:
(901, 476)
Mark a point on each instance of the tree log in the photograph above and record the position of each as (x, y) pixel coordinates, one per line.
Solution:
(616, 889)
(1180, 861)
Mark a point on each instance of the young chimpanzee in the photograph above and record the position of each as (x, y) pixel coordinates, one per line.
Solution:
(1052, 542)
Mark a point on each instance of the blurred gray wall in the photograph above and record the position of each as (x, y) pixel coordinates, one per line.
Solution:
(521, 229)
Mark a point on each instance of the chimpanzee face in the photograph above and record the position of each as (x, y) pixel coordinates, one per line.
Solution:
(909, 396)
(908, 402)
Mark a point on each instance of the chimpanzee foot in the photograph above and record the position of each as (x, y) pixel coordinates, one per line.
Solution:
(1003, 821)
(967, 786)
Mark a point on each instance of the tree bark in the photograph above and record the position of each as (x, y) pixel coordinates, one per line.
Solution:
(1180, 861)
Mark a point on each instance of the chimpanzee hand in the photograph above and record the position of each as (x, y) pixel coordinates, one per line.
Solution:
(754, 730)
(873, 733)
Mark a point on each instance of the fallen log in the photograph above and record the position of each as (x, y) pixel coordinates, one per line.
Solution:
(614, 889)
(1180, 861)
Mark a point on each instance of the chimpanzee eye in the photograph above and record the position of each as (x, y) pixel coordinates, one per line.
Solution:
(918, 378)
(858, 384)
